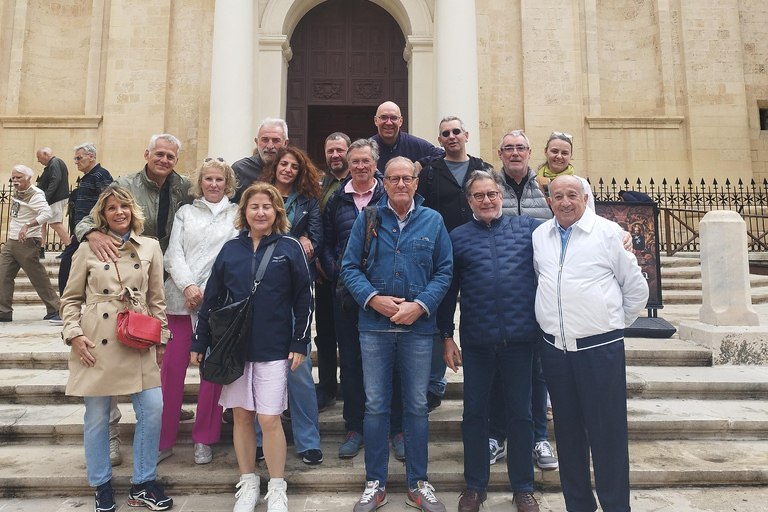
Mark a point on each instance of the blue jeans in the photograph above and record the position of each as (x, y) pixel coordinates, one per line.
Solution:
(148, 406)
(413, 353)
(513, 362)
(498, 422)
(302, 403)
(437, 380)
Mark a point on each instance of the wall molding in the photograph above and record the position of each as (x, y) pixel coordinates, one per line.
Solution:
(645, 122)
(61, 122)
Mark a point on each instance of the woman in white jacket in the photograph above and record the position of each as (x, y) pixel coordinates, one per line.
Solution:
(199, 231)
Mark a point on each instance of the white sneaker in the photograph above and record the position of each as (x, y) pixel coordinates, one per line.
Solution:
(203, 454)
(497, 452)
(277, 500)
(164, 454)
(114, 451)
(248, 493)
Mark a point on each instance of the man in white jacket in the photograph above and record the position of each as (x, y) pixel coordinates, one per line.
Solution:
(29, 211)
(589, 290)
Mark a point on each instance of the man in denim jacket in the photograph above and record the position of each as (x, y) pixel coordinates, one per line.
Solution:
(406, 275)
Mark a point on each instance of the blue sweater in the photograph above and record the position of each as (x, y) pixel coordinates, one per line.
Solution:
(283, 302)
(493, 268)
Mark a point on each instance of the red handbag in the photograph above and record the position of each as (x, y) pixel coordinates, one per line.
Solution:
(136, 330)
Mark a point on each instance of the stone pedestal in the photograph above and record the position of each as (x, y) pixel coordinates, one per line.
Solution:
(726, 295)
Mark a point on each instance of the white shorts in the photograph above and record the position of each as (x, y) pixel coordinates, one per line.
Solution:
(58, 211)
(262, 388)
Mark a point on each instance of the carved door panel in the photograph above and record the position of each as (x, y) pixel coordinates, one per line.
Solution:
(348, 57)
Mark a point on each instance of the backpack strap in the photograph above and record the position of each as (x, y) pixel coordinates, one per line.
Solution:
(372, 223)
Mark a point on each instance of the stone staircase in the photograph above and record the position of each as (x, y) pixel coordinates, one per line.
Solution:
(681, 281)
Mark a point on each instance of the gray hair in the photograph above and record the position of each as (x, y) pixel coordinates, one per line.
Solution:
(88, 147)
(450, 118)
(483, 175)
(365, 143)
(339, 136)
(24, 170)
(165, 136)
(401, 160)
(272, 121)
(515, 133)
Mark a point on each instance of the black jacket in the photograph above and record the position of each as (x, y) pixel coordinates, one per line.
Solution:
(54, 181)
(441, 191)
(308, 222)
(247, 171)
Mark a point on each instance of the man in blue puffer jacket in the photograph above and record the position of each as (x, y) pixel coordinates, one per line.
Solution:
(493, 268)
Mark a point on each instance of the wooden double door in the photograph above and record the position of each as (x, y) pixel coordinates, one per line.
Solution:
(347, 59)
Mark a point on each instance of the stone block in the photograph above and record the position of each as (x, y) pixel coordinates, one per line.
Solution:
(731, 344)
(726, 295)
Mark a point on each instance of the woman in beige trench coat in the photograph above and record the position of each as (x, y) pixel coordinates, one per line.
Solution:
(99, 365)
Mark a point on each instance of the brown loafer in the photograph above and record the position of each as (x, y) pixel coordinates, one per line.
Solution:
(470, 500)
(525, 502)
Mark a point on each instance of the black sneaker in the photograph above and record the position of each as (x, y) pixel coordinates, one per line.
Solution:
(150, 495)
(312, 457)
(42, 253)
(433, 401)
(324, 402)
(105, 498)
(259, 454)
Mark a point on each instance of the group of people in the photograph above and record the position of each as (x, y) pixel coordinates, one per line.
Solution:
(546, 288)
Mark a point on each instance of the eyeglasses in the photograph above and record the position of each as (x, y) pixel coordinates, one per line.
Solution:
(384, 119)
(394, 180)
(447, 133)
(356, 163)
(217, 158)
(512, 149)
(561, 134)
(480, 196)
(78, 158)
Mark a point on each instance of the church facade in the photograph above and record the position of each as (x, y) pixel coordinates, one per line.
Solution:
(648, 88)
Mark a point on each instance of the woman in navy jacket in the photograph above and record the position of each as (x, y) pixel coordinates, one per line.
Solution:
(280, 334)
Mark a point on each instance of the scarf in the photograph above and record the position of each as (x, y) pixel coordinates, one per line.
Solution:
(544, 172)
(290, 205)
(24, 195)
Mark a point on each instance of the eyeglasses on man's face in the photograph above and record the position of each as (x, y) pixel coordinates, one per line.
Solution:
(78, 158)
(512, 149)
(447, 133)
(480, 196)
(394, 180)
(392, 119)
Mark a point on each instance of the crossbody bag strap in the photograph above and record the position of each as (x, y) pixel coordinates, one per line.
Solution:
(263, 266)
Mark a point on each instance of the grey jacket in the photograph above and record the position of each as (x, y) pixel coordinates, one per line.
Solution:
(532, 203)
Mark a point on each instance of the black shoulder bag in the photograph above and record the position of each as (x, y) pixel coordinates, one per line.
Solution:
(347, 304)
(230, 333)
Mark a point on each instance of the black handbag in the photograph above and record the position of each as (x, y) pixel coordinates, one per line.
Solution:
(230, 325)
(347, 303)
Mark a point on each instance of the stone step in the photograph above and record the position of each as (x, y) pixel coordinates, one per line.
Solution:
(680, 273)
(38, 470)
(679, 261)
(23, 285)
(35, 386)
(670, 284)
(759, 296)
(45, 350)
(658, 419)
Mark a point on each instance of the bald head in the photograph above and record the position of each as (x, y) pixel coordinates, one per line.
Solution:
(44, 155)
(567, 200)
(388, 121)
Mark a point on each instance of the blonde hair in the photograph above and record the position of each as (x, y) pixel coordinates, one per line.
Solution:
(124, 196)
(281, 218)
(230, 181)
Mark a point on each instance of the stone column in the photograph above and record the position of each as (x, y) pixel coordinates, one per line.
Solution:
(421, 95)
(726, 295)
(230, 130)
(456, 83)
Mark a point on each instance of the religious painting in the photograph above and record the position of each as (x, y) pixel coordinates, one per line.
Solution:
(640, 220)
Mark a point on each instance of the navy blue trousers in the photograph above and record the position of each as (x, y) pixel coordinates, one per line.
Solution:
(588, 390)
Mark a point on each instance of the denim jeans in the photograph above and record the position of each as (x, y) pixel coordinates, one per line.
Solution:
(148, 406)
(498, 422)
(437, 380)
(302, 402)
(351, 369)
(413, 352)
(513, 362)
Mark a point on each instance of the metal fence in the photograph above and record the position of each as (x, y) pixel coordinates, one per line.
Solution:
(681, 208)
(53, 243)
(683, 205)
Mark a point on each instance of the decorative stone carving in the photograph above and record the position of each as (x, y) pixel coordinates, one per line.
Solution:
(367, 90)
(327, 90)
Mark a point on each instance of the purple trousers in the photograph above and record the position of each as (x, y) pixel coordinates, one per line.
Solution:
(207, 429)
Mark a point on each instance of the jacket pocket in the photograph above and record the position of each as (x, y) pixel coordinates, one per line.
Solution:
(421, 252)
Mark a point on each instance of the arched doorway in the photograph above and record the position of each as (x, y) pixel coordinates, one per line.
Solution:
(347, 59)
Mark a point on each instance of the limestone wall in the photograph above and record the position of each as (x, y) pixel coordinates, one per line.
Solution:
(648, 88)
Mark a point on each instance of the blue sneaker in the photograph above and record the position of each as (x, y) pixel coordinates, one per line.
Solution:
(105, 498)
(150, 495)
(351, 445)
(398, 443)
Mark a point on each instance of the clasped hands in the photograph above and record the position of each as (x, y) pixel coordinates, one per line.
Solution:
(396, 309)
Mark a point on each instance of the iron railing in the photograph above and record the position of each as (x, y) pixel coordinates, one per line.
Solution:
(683, 205)
(53, 243)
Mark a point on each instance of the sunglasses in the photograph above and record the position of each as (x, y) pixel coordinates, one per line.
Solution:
(217, 158)
(561, 134)
(447, 133)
